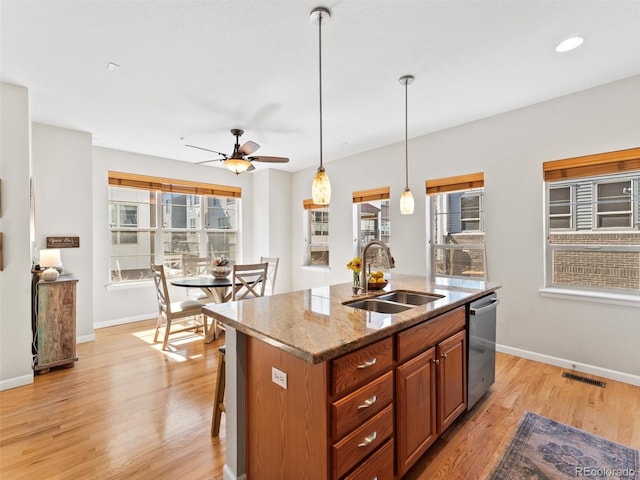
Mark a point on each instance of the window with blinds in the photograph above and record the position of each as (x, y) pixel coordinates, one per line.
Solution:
(316, 225)
(593, 222)
(371, 209)
(457, 246)
(161, 220)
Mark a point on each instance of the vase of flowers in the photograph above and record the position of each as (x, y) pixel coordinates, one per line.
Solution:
(220, 268)
(355, 265)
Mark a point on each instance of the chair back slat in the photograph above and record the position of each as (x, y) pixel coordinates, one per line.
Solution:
(192, 266)
(272, 272)
(249, 280)
(162, 290)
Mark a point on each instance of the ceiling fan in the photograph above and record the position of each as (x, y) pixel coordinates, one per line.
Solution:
(240, 161)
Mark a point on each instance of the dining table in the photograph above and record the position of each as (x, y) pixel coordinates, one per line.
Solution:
(217, 290)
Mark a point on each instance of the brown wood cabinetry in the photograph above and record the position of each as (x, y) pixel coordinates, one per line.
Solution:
(55, 323)
(359, 416)
(430, 386)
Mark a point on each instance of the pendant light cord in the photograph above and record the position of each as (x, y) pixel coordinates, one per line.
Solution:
(320, 77)
(406, 136)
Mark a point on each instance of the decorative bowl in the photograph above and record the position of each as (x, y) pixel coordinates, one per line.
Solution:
(378, 286)
(220, 272)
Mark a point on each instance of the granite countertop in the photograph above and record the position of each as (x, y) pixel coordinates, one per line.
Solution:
(315, 326)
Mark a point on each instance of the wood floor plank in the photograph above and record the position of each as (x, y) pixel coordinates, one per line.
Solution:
(127, 410)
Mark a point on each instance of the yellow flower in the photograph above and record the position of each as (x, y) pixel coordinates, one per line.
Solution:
(355, 264)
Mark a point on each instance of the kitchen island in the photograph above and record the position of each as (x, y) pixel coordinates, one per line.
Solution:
(317, 389)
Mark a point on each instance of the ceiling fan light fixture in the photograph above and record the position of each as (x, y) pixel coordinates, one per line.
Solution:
(406, 199)
(237, 165)
(321, 186)
(569, 44)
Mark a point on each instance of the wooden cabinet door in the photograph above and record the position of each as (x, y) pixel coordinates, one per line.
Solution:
(415, 409)
(452, 379)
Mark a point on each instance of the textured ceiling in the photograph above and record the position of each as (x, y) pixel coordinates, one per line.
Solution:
(196, 69)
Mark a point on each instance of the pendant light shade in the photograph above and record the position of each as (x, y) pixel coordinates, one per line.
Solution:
(406, 200)
(321, 187)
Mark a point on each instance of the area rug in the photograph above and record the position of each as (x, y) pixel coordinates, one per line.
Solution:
(545, 449)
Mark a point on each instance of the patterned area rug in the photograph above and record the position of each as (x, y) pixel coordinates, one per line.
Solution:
(544, 449)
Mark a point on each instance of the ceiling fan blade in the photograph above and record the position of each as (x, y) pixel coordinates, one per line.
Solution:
(248, 148)
(206, 150)
(268, 159)
(213, 160)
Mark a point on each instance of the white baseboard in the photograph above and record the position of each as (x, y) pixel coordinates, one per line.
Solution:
(16, 382)
(571, 365)
(86, 338)
(228, 474)
(122, 321)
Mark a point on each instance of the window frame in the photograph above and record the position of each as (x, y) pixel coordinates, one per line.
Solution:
(586, 174)
(311, 210)
(157, 252)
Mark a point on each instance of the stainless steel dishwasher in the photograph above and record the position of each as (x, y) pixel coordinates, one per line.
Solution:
(481, 372)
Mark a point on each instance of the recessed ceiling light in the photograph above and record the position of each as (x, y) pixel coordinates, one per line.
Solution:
(569, 44)
(113, 67)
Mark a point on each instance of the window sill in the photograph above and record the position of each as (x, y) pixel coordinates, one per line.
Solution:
(316, 268)
(626, 300)
(110, 287)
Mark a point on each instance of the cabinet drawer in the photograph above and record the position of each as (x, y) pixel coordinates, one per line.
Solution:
(378, 466)
(359, 406)
(417, 339)
(360, 443)
(359, 367)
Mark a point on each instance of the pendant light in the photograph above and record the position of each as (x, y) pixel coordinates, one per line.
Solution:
(406, 200)
(321, 187)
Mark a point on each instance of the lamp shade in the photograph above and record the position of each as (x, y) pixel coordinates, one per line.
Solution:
(321, 188)
(50, 257)
(237, 165)
(406, 202)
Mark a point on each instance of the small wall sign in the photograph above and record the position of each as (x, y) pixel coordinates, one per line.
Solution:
(63, 242)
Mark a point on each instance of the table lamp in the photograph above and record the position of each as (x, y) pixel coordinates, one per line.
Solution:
(49, 260)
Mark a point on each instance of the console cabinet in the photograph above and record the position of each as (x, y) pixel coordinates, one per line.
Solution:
(55, 323)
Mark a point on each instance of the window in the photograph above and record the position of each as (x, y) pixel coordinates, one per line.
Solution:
(371, 212)
(316, 236)
(457, 226)
(593, 223)
(196, 224)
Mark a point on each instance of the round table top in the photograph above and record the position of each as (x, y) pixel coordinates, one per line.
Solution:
(208, 281)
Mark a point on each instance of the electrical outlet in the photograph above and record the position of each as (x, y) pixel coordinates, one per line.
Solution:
(279, 377)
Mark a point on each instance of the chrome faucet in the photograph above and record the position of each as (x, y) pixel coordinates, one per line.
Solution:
(391, 263)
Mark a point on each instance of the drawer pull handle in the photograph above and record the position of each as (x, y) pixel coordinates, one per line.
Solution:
(368, 402)
(368, 363)
(444, 355)
(368, 440)
(436, 361)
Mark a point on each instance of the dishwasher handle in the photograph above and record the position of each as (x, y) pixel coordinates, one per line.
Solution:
(491, 306)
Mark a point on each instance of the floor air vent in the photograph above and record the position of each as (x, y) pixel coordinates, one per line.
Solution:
(579, 378)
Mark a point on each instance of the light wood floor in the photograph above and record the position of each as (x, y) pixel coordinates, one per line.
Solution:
(128, 410)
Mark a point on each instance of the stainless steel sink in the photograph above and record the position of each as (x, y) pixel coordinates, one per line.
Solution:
(380, 306)
(394, 302)
(410, 298)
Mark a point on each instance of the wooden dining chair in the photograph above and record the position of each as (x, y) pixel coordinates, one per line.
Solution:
(194, 266)
(247, 281)
(272, 272)
(186, 314)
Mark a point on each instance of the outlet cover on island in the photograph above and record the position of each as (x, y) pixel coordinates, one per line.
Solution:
(279, 377)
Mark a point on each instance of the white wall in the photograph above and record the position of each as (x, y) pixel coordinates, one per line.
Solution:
(272, 222)
(62, 178)
(15, 278)
(118, 304)
(509, 149)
